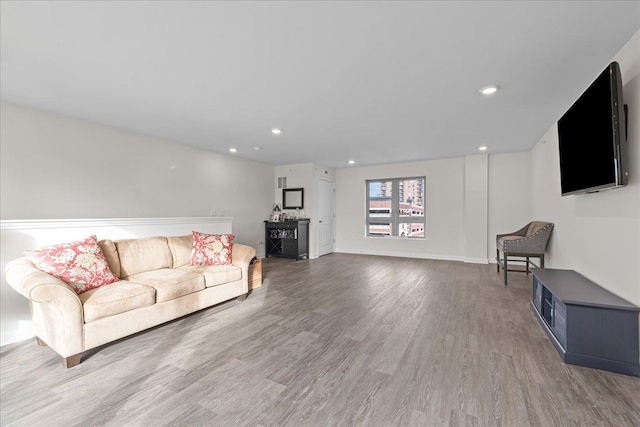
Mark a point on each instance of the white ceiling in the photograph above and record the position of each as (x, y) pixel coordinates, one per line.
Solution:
(378, 82)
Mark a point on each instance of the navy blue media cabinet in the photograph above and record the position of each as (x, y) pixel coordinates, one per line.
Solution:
(588, 325)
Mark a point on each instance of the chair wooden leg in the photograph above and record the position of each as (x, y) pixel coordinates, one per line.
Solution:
(40, 342)
(71, 361)
(527, 266)
(498, 259)
(542, 261)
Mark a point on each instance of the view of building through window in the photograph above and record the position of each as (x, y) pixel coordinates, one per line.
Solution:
(395, 207)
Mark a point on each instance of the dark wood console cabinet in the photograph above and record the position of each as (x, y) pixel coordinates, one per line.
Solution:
(289, 239)
(588, 325)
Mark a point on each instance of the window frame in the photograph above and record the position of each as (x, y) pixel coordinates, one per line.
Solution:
(394, 219)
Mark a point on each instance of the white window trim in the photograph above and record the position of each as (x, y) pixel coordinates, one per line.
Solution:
(394, 219)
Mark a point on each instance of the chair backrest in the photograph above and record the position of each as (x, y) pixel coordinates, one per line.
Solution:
(536, 226)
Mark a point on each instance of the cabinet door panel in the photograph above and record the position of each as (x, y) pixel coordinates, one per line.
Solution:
(537, 294)
(290, 248)
(559, 321)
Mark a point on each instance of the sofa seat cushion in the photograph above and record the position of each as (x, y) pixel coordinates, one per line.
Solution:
(170, 284)
(115, 298)
(215, 275)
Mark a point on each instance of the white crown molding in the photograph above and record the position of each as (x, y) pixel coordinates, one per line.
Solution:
(31, 224)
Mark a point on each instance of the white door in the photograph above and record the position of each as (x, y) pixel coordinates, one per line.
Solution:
(326, 204)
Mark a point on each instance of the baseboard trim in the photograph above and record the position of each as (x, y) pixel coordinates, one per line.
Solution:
(493, 260)
(476, 260)
(402, 254)
(13, 336)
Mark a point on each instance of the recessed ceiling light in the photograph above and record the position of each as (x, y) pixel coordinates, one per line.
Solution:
(489, 90)
(233, 150)
(483, 148)
(257, 148)
(351, 162)
(276, 131)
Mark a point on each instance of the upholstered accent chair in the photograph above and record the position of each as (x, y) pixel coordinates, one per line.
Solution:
(528, 242)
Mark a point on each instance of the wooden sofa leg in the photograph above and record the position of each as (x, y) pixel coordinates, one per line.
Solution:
(243, 297)
(71, 361)
(40, 342)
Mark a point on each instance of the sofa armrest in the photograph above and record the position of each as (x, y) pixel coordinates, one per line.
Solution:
(241, 256)
(56, 310)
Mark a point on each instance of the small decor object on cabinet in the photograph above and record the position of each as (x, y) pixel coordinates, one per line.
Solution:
(287, 239)
(275, 213)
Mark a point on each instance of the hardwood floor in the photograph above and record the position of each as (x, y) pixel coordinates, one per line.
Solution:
(340, 340)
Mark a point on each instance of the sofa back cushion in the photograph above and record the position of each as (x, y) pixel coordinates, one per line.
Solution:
(111, 254)
(181, 247)
(140, 255)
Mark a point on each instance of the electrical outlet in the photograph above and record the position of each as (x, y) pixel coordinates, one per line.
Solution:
(221, 212)
(213, 212)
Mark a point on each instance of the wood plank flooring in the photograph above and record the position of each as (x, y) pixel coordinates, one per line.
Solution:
(337, 341)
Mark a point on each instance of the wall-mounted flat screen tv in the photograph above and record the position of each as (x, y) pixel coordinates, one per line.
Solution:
(592, 137)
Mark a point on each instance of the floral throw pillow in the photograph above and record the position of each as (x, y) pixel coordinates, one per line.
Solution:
(80, 264)
(211, 249)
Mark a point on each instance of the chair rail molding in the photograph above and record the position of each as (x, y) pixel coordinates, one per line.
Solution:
(31, 224)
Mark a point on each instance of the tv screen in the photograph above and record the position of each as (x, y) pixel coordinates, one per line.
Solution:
(592, 137)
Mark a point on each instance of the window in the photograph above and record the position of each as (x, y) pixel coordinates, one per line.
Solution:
(395, 207)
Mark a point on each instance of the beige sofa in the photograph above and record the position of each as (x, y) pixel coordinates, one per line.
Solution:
(157, 285)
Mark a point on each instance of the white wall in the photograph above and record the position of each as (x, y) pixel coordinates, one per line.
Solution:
(53, 166)
(305, 175)
(444, 210)
(598, 235)
(56, 167)
(476, 195)
(468, 200)
(509, 195)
